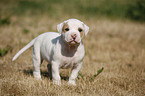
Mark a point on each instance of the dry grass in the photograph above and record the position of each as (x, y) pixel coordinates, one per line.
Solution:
(118, 46)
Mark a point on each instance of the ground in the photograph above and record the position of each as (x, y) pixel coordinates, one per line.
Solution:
(116, 45)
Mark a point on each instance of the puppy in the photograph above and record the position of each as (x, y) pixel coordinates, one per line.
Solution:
(61, 50)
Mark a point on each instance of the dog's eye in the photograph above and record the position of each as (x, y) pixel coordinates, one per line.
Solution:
(80, 30)
(66, 29)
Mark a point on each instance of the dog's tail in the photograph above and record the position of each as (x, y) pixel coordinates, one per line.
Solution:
(24, 49)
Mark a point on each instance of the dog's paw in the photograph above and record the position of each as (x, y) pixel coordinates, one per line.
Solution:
(37, 75)
(71, 82)
(57, 82)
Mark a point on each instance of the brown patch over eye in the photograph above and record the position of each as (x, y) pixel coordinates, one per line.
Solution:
(66, 29)
(80, 29)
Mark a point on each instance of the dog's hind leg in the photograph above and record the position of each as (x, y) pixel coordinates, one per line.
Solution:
(49, 71)
(36, 61)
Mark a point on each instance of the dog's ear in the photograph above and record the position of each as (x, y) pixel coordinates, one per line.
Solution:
(86, 28)
(59, 27)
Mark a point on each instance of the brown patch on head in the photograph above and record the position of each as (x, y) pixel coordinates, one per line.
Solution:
(81, 31)
(65, 27)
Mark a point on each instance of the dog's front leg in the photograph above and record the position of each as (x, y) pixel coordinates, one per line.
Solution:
(74, 74)
(55, 73)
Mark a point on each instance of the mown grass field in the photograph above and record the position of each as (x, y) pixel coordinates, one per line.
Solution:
(117, 45)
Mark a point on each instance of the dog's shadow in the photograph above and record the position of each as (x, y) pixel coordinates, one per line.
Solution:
(44, 74)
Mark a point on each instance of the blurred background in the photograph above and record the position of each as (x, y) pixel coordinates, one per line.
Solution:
(120, 9)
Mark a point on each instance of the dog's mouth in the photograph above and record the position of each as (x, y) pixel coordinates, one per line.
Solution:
(73, 43)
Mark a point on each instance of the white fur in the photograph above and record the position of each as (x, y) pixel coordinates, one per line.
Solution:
(57, 50)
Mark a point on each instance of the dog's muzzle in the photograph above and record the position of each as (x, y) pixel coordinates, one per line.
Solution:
(72, 38)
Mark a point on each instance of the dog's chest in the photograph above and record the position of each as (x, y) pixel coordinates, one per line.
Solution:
(68, 62)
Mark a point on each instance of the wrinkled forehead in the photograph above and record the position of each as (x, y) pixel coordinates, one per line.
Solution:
(75, 24)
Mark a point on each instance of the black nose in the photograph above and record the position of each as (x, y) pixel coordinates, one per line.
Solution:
(74, 36)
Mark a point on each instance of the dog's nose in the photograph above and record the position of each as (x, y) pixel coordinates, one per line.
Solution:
(74, 36)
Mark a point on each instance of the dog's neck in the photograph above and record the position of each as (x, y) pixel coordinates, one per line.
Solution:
(67, 49)
(71, 47)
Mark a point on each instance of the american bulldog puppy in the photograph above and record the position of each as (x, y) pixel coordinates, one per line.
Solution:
(61, 50)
